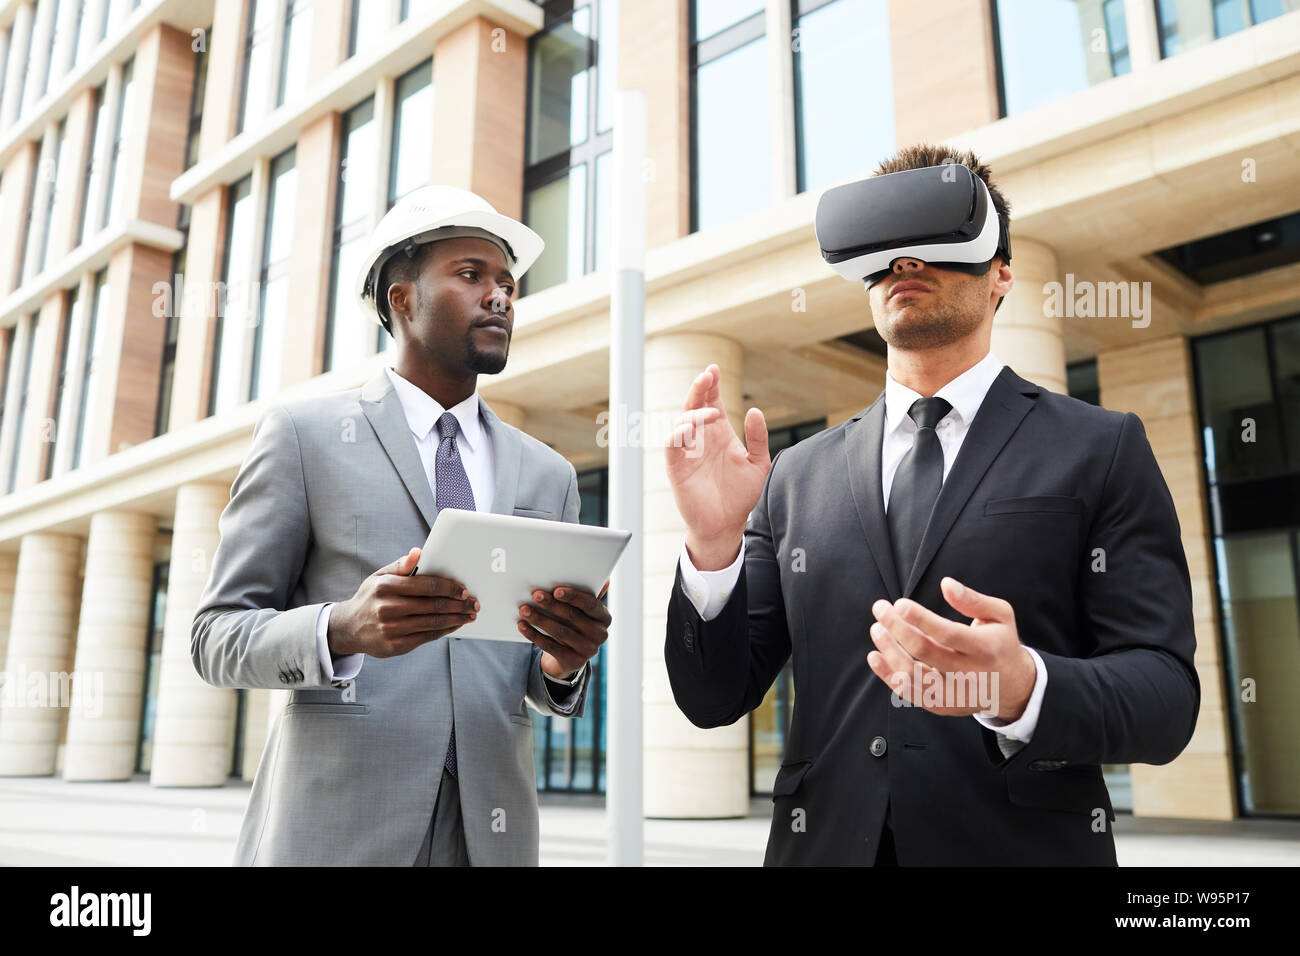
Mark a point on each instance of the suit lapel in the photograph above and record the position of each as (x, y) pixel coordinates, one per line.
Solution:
(1008, 401)
(384, 410)
(863, 436)
(507, 449)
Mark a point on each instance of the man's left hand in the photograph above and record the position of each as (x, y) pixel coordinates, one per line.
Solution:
(940, 664)
(569, 624)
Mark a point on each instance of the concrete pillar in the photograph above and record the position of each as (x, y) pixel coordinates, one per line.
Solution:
(103, 729)
(1154, 381)
(192, 736)
(1025, 336)
(8, 571)
(689, 772)
(42, 631)
(653, 55)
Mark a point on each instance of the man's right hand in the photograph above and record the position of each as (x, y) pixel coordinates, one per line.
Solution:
(393, 612)
(716, 480)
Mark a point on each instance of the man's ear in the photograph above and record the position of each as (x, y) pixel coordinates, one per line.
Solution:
(398, 300)
(1003, 280)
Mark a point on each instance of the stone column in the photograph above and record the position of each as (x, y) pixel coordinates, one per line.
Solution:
(192, 736)
(8, 572)
(1154, 381)
(104, 724)
(42, 632)
(1024, 335)
(689, 772)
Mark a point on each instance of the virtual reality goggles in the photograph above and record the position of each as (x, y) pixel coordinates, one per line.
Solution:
(942, 215)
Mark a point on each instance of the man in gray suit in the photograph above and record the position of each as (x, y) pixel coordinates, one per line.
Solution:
(400, 745)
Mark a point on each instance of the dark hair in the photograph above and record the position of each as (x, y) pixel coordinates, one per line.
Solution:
(399, 268)
(922, 155)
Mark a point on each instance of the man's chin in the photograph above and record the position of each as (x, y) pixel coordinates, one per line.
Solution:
(487, 363)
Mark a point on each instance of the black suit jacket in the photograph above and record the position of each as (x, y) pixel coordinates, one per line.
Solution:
(1044, 489)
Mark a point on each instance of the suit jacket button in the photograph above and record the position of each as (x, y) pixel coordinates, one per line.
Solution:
(877, 746)
(688, 636)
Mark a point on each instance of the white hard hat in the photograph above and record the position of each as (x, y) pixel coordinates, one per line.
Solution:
(453, 213)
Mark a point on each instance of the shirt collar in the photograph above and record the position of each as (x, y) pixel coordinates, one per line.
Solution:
(423, 411)
(965, 392)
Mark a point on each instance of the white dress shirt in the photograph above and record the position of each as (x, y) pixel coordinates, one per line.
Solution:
(708, 591)
(422, 412)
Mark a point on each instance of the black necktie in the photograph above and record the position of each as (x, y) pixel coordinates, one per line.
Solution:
(916, 485)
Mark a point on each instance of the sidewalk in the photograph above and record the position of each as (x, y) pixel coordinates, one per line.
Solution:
(46, 821)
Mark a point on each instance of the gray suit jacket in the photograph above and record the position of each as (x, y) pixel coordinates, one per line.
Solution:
(331, 490)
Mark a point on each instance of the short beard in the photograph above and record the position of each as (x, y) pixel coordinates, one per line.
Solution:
(951, 322)
(484, 363)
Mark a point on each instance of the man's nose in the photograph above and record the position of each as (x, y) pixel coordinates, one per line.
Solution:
(497, 300)
(906, 264)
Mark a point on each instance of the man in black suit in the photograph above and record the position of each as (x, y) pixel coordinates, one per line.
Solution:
(973, 634)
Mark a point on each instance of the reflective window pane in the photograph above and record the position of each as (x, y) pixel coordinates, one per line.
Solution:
(841, 47)
(713, 15)
(1052, 48)
(257, 62)
(606, 64)
(237, 314)
(269, 333)
(1187, 24)
(1286, 358)
(558, 213)
(297, 50)
(559, 86)
(1242, 433)
(733, 174)
(412, 132)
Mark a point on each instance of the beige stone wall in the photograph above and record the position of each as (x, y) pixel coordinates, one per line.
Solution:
(1154, 381)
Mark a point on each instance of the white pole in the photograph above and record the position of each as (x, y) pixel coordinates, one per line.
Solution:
(623, 778)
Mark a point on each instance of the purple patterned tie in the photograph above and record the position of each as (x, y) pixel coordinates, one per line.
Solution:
(451, 490)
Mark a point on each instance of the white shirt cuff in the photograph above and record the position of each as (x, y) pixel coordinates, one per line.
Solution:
(349, 665)
(570, 701)
(708, 591)
(1017, 733)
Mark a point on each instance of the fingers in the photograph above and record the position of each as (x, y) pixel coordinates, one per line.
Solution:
(422, 585)
(565, 624)
(577, 599)
(568, 658)
(756, 435)
(975, 605)
(706, 389)
(403, 565)
(917, 630)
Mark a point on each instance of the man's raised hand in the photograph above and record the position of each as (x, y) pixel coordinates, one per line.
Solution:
(716, 479)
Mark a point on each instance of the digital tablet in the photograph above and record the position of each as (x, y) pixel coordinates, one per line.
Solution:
(502, 559)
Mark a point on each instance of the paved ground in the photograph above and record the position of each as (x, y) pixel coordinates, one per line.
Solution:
(50, 822)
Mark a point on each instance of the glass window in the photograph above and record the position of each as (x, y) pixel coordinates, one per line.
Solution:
(117, 12)
(83, 38)
(1261, 626)
(733, 170)
(412, 132)
(1241, 422)
(152, 667)
(559, 84)
(1188, 24)
(570, 119)
(257, 62)
(167, 374)
(352, 223)
(297, 50)
(415, 8)
(63, 393)
(92, 367)
(94, 168)
(558, 213)
(1052, 48)
(125, 110)
(20, 413)
(713, 15)
(237, 300)
(840, 47)
(9, 339)
(197, 95)
(367, 30)
(49, 177)
(53, 38)
(268, 336)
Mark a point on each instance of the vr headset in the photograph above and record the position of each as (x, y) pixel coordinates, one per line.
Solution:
(942, 215)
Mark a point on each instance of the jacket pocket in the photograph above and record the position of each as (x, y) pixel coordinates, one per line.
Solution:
(789, 777)
(1078, 788)
(333, 710)
(535, 513)
(521, 719)
(1057, 504)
